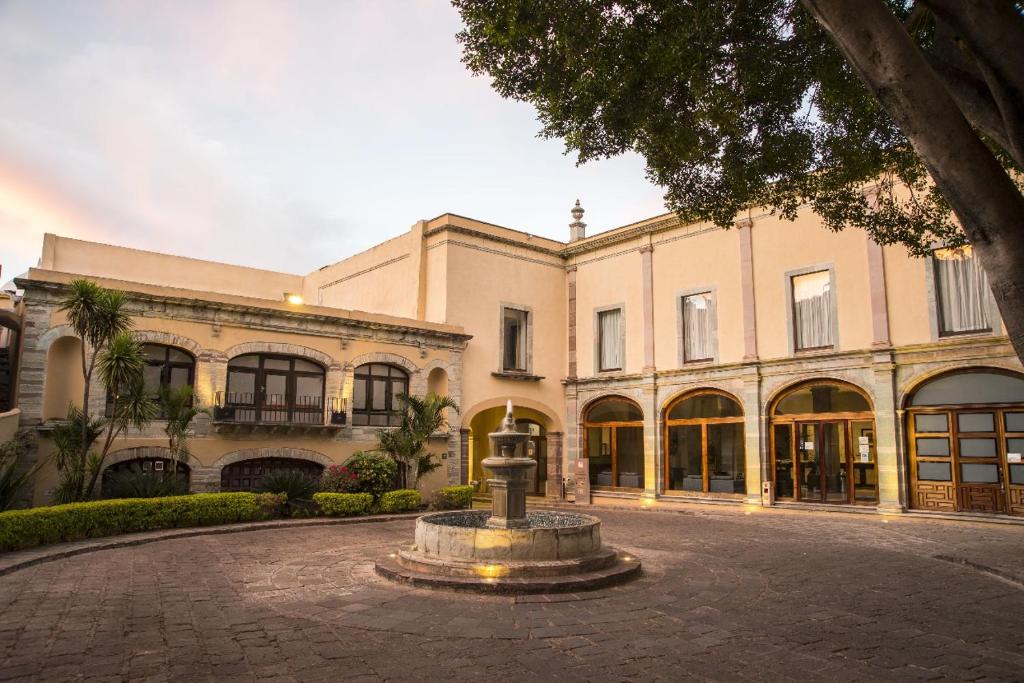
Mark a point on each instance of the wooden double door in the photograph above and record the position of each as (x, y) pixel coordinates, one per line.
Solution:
(826, 461)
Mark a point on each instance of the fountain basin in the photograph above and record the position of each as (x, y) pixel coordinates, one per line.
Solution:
(464, 535)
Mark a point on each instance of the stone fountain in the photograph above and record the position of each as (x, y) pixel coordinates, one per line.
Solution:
(508, 550)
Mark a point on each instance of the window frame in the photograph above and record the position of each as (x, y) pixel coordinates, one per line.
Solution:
(598, 339)
(703, 423)
(613, 426)
(259, 372)
(791, 308)
(527, 368)
(390, 410)
(995, 322)
(681, 296)
(166, 366)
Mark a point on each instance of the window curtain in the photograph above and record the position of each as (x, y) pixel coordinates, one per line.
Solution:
(812, 308)
(515, 339)
(962, 285)
(697, 327)
(610, 323)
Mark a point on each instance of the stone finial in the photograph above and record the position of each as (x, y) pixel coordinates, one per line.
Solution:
(577, 229)
(509, 423)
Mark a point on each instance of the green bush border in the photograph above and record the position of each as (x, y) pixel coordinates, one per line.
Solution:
(400, 500)
(454, 497)
(20, 529)
(343, 504)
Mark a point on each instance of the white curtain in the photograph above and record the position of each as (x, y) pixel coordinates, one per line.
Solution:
(962, 285)
(610, 323)
(812, 308)
(697, 327)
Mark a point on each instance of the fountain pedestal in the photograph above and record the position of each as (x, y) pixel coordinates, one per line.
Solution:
(509, 550)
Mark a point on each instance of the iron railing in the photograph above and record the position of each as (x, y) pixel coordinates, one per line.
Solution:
(271, 409)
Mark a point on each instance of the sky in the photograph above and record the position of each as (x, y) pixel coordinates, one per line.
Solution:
(280, 135)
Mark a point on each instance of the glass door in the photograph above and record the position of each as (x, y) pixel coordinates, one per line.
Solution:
(834, 462)
(808, 469)
(275, 402)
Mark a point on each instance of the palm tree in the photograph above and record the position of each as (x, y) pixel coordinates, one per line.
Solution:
(179, 410)
(421, 418)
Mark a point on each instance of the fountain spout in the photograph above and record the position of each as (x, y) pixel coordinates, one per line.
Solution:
(508, 487)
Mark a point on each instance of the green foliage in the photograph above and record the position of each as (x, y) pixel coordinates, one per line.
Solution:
(454, 497)
(421, 417)
(296, 485)
(13, 481)
(343, 504)
(339, 479)
(133, 483)
(376, 472)
(178, 407)
(72, 466)
(400, 500)
(43, 525)
(733, 105)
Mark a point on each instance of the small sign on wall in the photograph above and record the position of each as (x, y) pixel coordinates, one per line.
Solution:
(1013, 457)
(583, 481)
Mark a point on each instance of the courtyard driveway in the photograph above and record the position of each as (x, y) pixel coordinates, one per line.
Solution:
(725, 596)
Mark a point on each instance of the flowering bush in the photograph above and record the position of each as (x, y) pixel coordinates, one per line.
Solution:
(339, 479)
(375, 472)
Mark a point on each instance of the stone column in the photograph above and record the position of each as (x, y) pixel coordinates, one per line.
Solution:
(553, 489)
(747, 286)
(652, 442)
(463, 456)
(647, 273)
(755, 442)
(886, 433)
(573, 442)
(571, 309)
(32, 364)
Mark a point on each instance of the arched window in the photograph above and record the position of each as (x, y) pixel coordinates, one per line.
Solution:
(167, 367)
(375, 392)
(614, 431)
(823, 444)
(274, 389)
(156, 467)
(966, 437)
(704, 450)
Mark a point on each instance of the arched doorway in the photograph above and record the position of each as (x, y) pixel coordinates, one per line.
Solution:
(150, 467)
(64, 383)
(528, 420)
(704, 449)
(965, 433)
(613, 430)
(823, 445)
(245, 475)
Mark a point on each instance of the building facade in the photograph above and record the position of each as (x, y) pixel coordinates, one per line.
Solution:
(773, 363)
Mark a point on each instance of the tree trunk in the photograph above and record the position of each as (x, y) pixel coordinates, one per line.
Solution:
(982, 195)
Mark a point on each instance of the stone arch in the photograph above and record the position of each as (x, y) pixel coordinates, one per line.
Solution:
(388, 358)
(271, 452)
(590, 403)
(285, 349)
(780, 391)
(915, 382)
(53, 334)
(683, 393)
(136, 452)
(552, 415)
(169, 339)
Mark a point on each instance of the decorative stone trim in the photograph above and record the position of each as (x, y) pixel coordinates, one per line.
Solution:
(320, 357)
(388, 358)
(137, 452)
(909, 386)
(46, 339)
(169, 339)
(271, 452)
(791, 382)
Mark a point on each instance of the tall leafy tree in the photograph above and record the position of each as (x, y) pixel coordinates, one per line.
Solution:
(781, 104)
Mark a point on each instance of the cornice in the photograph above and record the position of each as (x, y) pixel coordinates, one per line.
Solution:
(462, 230)
(205, 311)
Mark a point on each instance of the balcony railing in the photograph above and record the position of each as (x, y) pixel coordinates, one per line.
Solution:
(276, 410)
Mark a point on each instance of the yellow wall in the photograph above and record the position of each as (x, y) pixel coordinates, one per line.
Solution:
(907, 295)
(64, 384)
(596, 287)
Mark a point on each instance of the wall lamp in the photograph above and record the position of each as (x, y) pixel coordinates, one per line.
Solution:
(293, 298)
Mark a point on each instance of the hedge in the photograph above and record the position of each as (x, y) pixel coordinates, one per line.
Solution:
(21, 529)
(343, 504)
(454, 497)
(401, 500)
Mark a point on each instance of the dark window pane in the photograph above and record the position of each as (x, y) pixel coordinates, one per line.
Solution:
(179, 377)
(934, 471)
(931, 423)
(685, 463)
(783, 461)
(599, 453)
(151, 375)
(1017, 474)
(970, 387)
(933, 447)
(976, 422)
(154, 352)
(308, 391)
(379, 419)
(379, 395)
(360, 419)
(247, 361)
(614, 410)
(1015, 445)
(359, 394)
(306, 366)
(725, 458)
(277, 364)
(1015, 422)
(978, 448)
(514, 324)
(397, 387)
(241, 386)
(825, 398)
(178, 356)
(705, 405)
(979, 474)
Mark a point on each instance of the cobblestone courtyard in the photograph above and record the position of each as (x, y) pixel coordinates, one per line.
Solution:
(725, 596)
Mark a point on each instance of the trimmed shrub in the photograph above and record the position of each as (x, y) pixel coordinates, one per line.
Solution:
(402, 500)
(343, 504)
(339, 479)
(454, 497)
(376, 472)
(75, 521)
(137, 484)
(295, 485)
